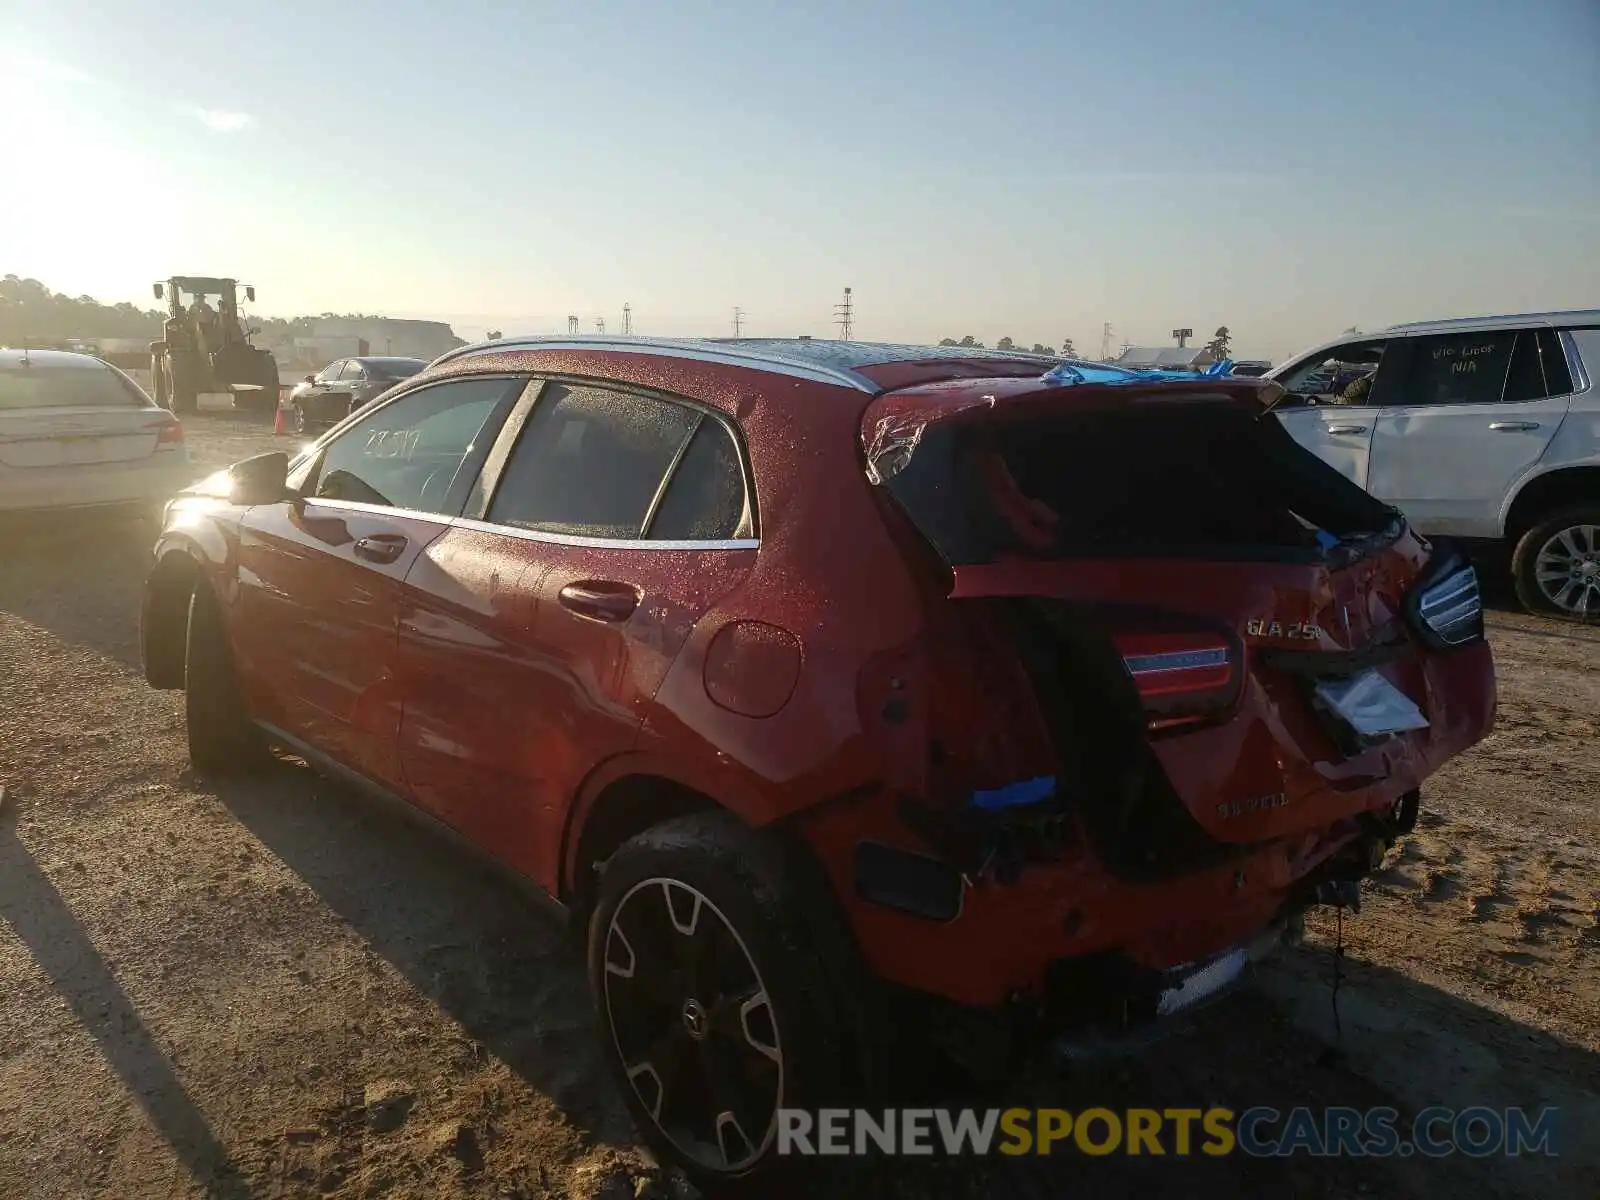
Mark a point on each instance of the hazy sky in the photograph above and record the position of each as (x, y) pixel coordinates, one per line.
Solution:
(1030, 169)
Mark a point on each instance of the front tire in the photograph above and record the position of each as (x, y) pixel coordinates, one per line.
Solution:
(222, 739)
(1556, 565)
(185, 392)
(159, 382)
(722, 998)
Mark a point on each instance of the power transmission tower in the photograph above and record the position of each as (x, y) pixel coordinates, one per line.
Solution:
(738, 321)
(627, 320)
(599, 324)
(572, 324)
(844, 316)
(1105, 342)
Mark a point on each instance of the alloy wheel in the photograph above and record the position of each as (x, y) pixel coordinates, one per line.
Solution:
(1567, 570)
(693, 1024)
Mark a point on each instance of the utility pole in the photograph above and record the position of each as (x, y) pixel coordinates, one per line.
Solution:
(599, 324)
(844, 316)
(627, 319)
(738, 321)
(1105, 342)
(572, 323)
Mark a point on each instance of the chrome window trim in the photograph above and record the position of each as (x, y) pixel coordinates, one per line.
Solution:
(535, 535)
(379, 510)
(697, 352)
(1576, 367)
(597, 543)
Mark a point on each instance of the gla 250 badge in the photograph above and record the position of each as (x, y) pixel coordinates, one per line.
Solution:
(1303, 631)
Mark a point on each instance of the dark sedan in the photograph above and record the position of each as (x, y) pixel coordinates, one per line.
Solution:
(342, 387)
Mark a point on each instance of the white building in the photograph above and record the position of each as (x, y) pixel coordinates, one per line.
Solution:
(384, 336)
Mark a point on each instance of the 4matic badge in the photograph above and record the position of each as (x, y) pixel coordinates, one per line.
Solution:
(1297, 630)
(1256, 804)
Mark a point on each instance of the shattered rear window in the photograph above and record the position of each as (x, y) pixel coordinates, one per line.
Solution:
(1204, 482)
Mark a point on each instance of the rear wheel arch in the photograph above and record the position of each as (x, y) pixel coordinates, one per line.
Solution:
(613, 813)
(168, 590)
(1561, 488)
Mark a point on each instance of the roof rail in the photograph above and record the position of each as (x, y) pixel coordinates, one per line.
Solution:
(763, 358)
(1576, 316)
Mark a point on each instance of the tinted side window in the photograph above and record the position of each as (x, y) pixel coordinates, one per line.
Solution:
(1458, 368)
(330, 372)
(411, 453)
(353, 370)
(705, 500)
(590, 462)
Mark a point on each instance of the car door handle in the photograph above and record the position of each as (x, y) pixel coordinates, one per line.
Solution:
(1347, 428)
(381, 547)
(600, 600)
(1513, 426)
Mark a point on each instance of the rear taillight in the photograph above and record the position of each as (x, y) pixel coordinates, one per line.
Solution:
(1447, 608)
(170, 434)
(1183, 679)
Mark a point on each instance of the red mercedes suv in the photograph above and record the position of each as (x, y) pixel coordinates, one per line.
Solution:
(811, 674)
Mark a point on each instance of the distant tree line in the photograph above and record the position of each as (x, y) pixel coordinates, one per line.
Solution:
(1005, 343)
(29, 310)
(1218, 346)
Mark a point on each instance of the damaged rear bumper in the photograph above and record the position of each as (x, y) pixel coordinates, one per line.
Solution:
(1104, 1006)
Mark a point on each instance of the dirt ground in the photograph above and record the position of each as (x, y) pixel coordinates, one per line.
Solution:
(279, 990)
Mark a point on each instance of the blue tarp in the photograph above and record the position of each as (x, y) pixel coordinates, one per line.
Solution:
(1013, 795)
(1070, 374)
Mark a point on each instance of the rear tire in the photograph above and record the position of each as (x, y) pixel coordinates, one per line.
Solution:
(1556, 565)
(222, 739)
(723, 995)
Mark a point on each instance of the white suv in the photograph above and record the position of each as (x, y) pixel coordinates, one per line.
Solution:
(1483, 429)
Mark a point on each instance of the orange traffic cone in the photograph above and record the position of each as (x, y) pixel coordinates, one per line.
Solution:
(280, 423)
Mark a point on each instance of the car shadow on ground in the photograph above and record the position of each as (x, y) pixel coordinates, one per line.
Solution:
(457, 929)
(80, 577)
(31, 905)
(498, 965)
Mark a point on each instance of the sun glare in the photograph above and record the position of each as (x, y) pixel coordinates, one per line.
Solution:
(80, 196)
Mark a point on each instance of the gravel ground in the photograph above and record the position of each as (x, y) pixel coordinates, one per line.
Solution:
(278, 990)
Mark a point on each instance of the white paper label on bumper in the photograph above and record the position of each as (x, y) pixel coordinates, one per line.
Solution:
(1371, 705)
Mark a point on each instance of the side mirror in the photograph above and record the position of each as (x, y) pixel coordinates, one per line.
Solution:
(310, 379)
(159, 291)
(260, 480)
(250, 291)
